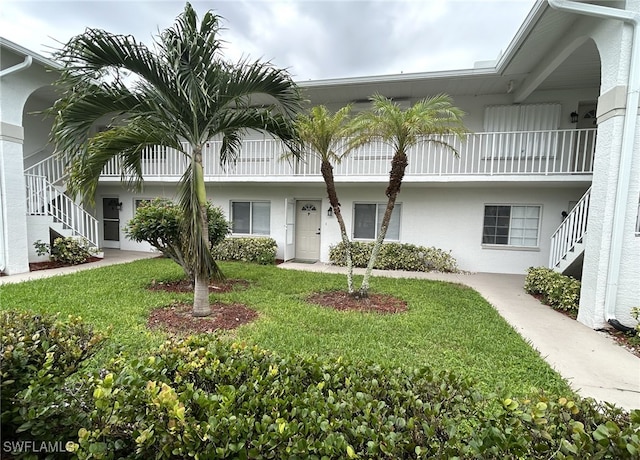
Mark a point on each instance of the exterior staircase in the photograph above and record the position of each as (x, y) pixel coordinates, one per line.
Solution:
(567, 243)
(46, 198)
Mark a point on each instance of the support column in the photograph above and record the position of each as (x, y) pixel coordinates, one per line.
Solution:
(13, 207)
(596, 276)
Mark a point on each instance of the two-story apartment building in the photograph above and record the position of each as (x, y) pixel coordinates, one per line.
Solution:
(550, 174)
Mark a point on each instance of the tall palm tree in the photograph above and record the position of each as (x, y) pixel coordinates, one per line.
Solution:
(402, 129)
(180, 94)
(324, 135)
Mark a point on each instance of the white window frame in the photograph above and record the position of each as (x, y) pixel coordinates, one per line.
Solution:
(511, 217)
(251, 216)
(379, 205)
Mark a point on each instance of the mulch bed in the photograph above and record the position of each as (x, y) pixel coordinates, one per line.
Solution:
(374, 303)
(49, 264)
(178, 318)
(184, 285)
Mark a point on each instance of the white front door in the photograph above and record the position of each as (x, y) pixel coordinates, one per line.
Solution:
(111, 222)
(308, 229)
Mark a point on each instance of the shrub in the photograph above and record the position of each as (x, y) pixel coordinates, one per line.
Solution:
(554, 289)
(396, 256)
(39, 353)
(67, 250)
(207, 398)
(259, 250)
(158, 223)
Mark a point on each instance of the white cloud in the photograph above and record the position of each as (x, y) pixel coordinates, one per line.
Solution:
(312, 38)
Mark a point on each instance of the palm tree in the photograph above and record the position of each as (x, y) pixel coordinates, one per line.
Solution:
(402, 129)
(323, 134)
(180, 94)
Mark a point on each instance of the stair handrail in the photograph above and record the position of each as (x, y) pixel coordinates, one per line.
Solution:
(571, 231)
(44, 199)
(54, 168)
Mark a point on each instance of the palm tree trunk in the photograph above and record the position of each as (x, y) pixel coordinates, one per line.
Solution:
(201, 306)
(327, 174)
(201, 252)
(398, 167)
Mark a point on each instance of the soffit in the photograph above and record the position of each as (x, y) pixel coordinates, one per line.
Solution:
(540, 33)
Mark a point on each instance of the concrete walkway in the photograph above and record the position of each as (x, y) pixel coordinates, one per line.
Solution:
(111, 257)
(593, 363)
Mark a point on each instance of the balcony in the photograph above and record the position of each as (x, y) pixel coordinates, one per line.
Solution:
(481, 156)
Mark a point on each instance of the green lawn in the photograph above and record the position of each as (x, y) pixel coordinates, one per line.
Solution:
(447, 326)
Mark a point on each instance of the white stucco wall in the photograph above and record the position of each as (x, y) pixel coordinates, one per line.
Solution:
(449, 217)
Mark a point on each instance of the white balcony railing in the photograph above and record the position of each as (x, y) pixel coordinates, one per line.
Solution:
(480, 154)
(43, 199)
(570, 232)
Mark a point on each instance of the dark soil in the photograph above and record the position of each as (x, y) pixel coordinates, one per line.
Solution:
(48, 264)
(185, 286)
(179, 320)
(375, 303)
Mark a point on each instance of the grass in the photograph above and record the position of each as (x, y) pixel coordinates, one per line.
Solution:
(447, 326)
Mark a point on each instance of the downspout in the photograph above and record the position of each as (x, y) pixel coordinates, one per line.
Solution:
(626, 151)
(28, 60)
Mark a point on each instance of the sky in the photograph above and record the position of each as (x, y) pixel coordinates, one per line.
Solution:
(313, 39)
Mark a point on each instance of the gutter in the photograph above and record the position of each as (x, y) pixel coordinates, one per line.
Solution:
(626, 153)
(28, 60)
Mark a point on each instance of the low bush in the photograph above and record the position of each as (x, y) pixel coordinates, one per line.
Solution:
(554, 289)
(159, 223)
(396, 256)
(39, 353)
(207, 398)
(67, 250)
(260, 250)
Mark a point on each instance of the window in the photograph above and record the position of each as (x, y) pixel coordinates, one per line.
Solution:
(511, 225)
(368, 218)
(251, 217)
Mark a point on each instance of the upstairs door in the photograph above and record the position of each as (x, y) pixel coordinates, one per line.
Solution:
(308, 230)
(111, 222)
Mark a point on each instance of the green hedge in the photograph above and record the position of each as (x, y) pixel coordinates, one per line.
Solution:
(554, 289)
(261, 250)
(207, 398)
(396, 256)
(39, 354)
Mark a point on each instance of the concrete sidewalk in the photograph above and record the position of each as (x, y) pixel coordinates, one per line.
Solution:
(592, 362)
(111, 257)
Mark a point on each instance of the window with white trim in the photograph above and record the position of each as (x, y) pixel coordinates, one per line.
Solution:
(511, 225)
(251, 217)
(367, 219)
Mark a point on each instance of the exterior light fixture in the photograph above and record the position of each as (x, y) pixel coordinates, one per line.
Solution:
(574, 117)
(330, 212)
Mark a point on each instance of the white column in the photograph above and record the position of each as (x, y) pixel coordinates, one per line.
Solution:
(13, 206)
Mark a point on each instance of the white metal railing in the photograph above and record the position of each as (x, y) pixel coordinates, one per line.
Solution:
(571, 231)
(43, 199)
(54, 168)
(480, 154)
